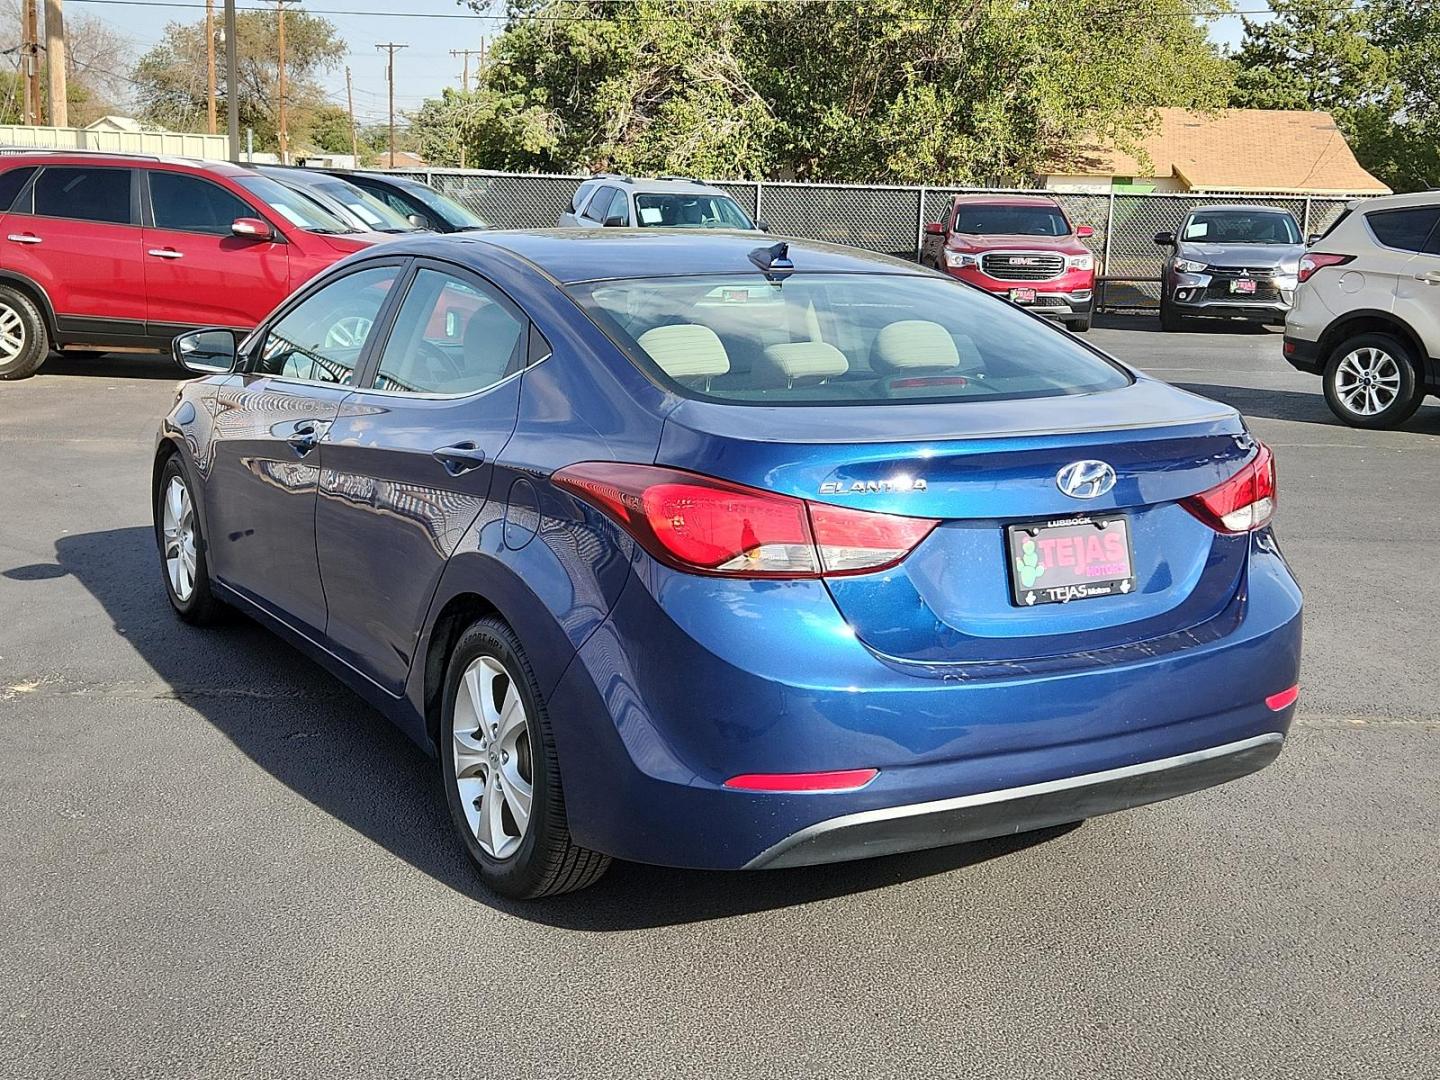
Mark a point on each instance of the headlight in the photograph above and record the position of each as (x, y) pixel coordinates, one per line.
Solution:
(1186, 266)
(960, 259)
(1081, 262)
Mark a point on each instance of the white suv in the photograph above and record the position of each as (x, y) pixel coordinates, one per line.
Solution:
(1367, 311)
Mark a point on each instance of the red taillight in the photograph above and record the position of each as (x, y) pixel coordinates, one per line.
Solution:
(1244, 502)
(1312, 261)
(1284, 699)
(710, 526)
(813, 782)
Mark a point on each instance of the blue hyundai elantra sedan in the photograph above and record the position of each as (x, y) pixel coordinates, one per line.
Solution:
(689, 551)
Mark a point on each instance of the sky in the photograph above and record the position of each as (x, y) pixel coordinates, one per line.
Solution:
(430, 29)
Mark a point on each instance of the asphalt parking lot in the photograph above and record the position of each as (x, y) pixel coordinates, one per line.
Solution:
(219, 863)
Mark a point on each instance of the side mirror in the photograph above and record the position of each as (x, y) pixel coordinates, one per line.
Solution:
(615, 221)
(252, 228)
(1084, 232)
(205, 352)
(1165, 239)
(935, 228)
(420, 221)
(762, 226)
(1313, 239)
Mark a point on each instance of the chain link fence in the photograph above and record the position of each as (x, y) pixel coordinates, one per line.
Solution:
(892, 219)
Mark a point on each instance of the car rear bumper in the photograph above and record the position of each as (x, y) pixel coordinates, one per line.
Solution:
(1303, 355)
(692, 681)
(1016, 810)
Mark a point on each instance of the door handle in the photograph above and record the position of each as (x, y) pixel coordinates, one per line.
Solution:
(304, 439)
(1430, 277)
(166, 253)
(24, 238)
(462, 457)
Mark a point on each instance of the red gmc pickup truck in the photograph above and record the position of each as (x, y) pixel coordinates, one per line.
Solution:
(1020, 246)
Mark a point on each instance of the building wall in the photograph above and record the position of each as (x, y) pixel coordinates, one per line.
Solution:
(1103, 185)
(162, 143)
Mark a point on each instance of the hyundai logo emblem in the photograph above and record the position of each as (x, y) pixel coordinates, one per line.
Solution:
(1085, 479)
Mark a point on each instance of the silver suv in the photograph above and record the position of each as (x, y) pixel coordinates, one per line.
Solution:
(1367, 311)
(670, 202)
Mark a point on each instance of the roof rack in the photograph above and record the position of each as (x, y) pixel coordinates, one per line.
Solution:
(683, 179)
(612, 176)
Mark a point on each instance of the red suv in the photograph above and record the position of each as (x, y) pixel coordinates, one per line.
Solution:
(107, 252)
(1020, 246)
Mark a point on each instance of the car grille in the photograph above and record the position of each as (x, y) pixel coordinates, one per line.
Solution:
(1022, 266)
(1050, 301)
(1221, 276)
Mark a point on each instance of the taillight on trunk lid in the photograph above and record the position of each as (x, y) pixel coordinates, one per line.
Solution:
(705, 525)
(1243, 503)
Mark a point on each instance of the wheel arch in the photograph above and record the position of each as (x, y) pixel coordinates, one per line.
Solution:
(37, 296)
(1371, 321)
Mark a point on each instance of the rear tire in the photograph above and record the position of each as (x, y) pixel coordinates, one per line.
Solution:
(501, 773)
(24, 343)
(1373, 381)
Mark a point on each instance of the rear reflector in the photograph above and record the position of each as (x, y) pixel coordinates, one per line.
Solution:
(710, 526)
(1243, 503)
(844, 780)
(1284, 699)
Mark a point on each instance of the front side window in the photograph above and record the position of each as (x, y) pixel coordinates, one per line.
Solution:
(1241, 227)
(1405, 229)
(451, 336)
(190, 204)
(677, 211)
(92, 194)
(1000, 219)
(321, 339)
(840, 339)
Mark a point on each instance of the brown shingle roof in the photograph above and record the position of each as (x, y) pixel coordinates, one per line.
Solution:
(1240, 150)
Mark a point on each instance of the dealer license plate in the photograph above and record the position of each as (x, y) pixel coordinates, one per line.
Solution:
(1022, 296)
(1243, 285)
(1054, 562)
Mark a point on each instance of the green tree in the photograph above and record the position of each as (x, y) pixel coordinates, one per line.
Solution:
(170, 78)
(926, 91)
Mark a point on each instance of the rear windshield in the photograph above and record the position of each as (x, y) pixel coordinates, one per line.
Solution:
(840, 339)
(1005, 220)
(684, 211)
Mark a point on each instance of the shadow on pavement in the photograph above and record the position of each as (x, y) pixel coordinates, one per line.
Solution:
(312, 734)
(114, 366)
(1300, 406)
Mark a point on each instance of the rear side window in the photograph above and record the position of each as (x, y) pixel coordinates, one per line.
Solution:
(190, 204)
(599, 208)
(1405, 229)
(85, 194)
(10, 185)
(840, 339)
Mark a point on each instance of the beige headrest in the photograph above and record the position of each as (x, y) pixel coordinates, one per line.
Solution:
(913, 344)
(686, 351)
(788, 364)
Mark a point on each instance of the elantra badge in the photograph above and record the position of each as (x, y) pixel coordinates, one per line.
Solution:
(872, 487)
(1085, 479)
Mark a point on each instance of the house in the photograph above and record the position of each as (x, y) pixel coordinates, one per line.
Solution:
(403, 159)
(1240, 151)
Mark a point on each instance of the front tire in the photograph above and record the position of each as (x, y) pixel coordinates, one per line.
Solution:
(1080, 326)
(182, 548)
(1171, 321)
(1372, 381)
(501, 773)
(24, 344)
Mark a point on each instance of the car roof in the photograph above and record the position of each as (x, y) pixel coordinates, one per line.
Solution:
(658, 185)
(572, 255)
(1004, 199)
(72, 157)
(1248, 208)
(1395, 202)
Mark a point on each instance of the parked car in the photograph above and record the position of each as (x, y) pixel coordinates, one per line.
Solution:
(1021, 247)
(117, 252)
(1367, 311)
(419, 203)
(1233, 262)
(677, 550)
(359, 209)
(670, 202)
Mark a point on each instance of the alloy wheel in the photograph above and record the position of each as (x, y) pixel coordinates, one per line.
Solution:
(178, 525)
(493, 765)
(12, 334)
(1367, 381)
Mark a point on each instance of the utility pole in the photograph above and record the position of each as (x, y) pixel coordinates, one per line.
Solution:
(232, 81)
(30, 51)
(467, 53)
(284, 135)
(209, 62)
(350, 101)
(55, 63)
(391, 46)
